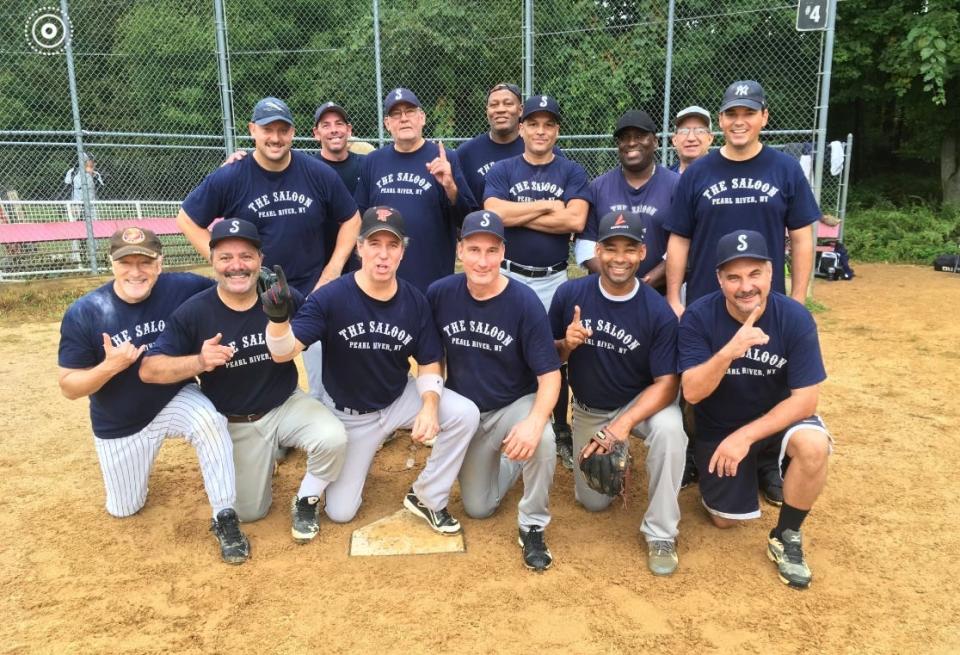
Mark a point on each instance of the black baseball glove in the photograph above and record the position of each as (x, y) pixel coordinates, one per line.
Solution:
(607, 470)
(275, 294)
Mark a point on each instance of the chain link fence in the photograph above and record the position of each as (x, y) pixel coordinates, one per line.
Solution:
(163, 89)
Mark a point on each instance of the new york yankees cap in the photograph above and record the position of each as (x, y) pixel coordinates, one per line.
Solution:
(330, 106)
(399, 94)
(234, 228)
(741, 244)
(635, 118)
(621, 224)
(134, 241)
(744, 93)
(483, 221)
(381, 217)
(537, 103)
(694, 110)
(271, 109)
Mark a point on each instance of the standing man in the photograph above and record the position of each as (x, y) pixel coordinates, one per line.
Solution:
(371, 323)
(692, 136)
(102, 336)
(619, 338)
(543, 199)
(218, 337)
(743, 185)
(495, 325)
(639, 185)
(752, 368)
(422, 181)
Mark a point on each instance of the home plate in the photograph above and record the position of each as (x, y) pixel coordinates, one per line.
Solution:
(402, 534)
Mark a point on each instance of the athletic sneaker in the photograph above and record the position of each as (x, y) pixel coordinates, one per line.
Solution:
(772, 490)
(305, 518)
(234, 547)
(564, 445)
(440, 520)
(536, 555)
(787, 554)
(662, 557)
(690, 473)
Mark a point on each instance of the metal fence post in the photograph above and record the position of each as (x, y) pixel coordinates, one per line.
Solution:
(823, 105)
(78, 137)
(527, 47)
(667, 75)
(376, 58)
(223, 72)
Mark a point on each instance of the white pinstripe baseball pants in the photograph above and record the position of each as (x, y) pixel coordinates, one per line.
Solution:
(126, 462)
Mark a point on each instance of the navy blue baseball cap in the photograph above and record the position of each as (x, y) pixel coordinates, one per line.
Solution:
(745, 93)
(742, 244)
(271, 109)
(234, 228)
(399, 94)
(330, 106)
(381, 217)
(621, 224)
(540, 103)
(482, 222)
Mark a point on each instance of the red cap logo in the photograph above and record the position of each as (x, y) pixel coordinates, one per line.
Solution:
(620, 220)
(383, 214)
(133, 235)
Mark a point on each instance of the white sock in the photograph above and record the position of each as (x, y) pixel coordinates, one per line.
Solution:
(311, 486)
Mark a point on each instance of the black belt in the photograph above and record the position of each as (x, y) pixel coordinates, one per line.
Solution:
(592, 410)
(245, 418)
(532, 271)
(354, 412)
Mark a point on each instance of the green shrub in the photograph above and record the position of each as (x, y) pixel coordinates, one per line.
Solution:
(909, 235)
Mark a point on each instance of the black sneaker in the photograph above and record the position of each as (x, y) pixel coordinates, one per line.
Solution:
(564, 445)
(440, 520)
(690, 473)
(536, 555)
(234, 547)
(772, 489)
(304, 515)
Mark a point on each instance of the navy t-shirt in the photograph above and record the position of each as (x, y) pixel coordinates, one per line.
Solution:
(478, 155)
(612, 193)
(516, 180)
(401, 180)
(634, 341)
(367, 342)
(124, 405)
(755, 383)
(251, 382)
(495, 348)
(716, 196)
(349, 172)
(290, 209)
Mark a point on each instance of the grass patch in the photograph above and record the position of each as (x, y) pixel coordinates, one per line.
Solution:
(814, 306)
(911, 235)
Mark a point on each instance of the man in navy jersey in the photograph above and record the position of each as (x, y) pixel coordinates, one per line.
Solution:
(102, 338)
(292, 199)
(692, 136)
(639, 185)
(542, 199)
(619, 338)
(371, 322)
(500, 355)
(423, 181)
(752, 368)
(218, 337)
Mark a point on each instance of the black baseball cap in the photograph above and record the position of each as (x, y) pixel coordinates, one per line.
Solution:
(234, 228)
(134, 241)
(744, 93)
(330, 106)
(540, 103)
(381, 217)
(506, 86)
(741, 244)
(637, 119)
(482, 222)
(398, 95)
(271, 109)
(621, 224)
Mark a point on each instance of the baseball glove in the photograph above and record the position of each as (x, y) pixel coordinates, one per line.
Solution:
(608, 472)
(276, 298)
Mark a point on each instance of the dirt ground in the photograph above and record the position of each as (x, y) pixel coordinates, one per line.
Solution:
(882, 541)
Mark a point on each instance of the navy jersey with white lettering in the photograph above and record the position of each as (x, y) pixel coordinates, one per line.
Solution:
(755, 383)
(478, 155)
(495, 348)
(716, 196)
(612, 193)
(290, 209)
(401, 180)
(634, 341)
(124, 405)
(516, 180)
(367, 342)
(251, 382)
(349, 172)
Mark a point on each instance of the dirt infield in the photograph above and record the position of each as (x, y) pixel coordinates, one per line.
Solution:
(882, 541)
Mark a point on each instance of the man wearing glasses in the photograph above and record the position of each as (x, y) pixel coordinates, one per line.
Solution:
(692, 137)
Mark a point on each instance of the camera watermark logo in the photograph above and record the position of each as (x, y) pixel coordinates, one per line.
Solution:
(47, 31)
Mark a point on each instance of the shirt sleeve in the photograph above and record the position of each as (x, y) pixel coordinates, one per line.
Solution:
(178, 337)
(663, 344)
(693, 347)
(679, 219)
(429, 348)
(208, 200)
(465, 200)
(539, 352)
(77, 346)
(362, 194)
(498, 181)
(309, 324)
(578, 184)
(556, 313)
(802, 208)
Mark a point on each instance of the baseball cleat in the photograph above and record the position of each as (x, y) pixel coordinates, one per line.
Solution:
(536, 555)
(305, 516)
(234, 547)
(439, 521)
(662, 557)
(564, 445)
(772, 492)
(787, 554)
